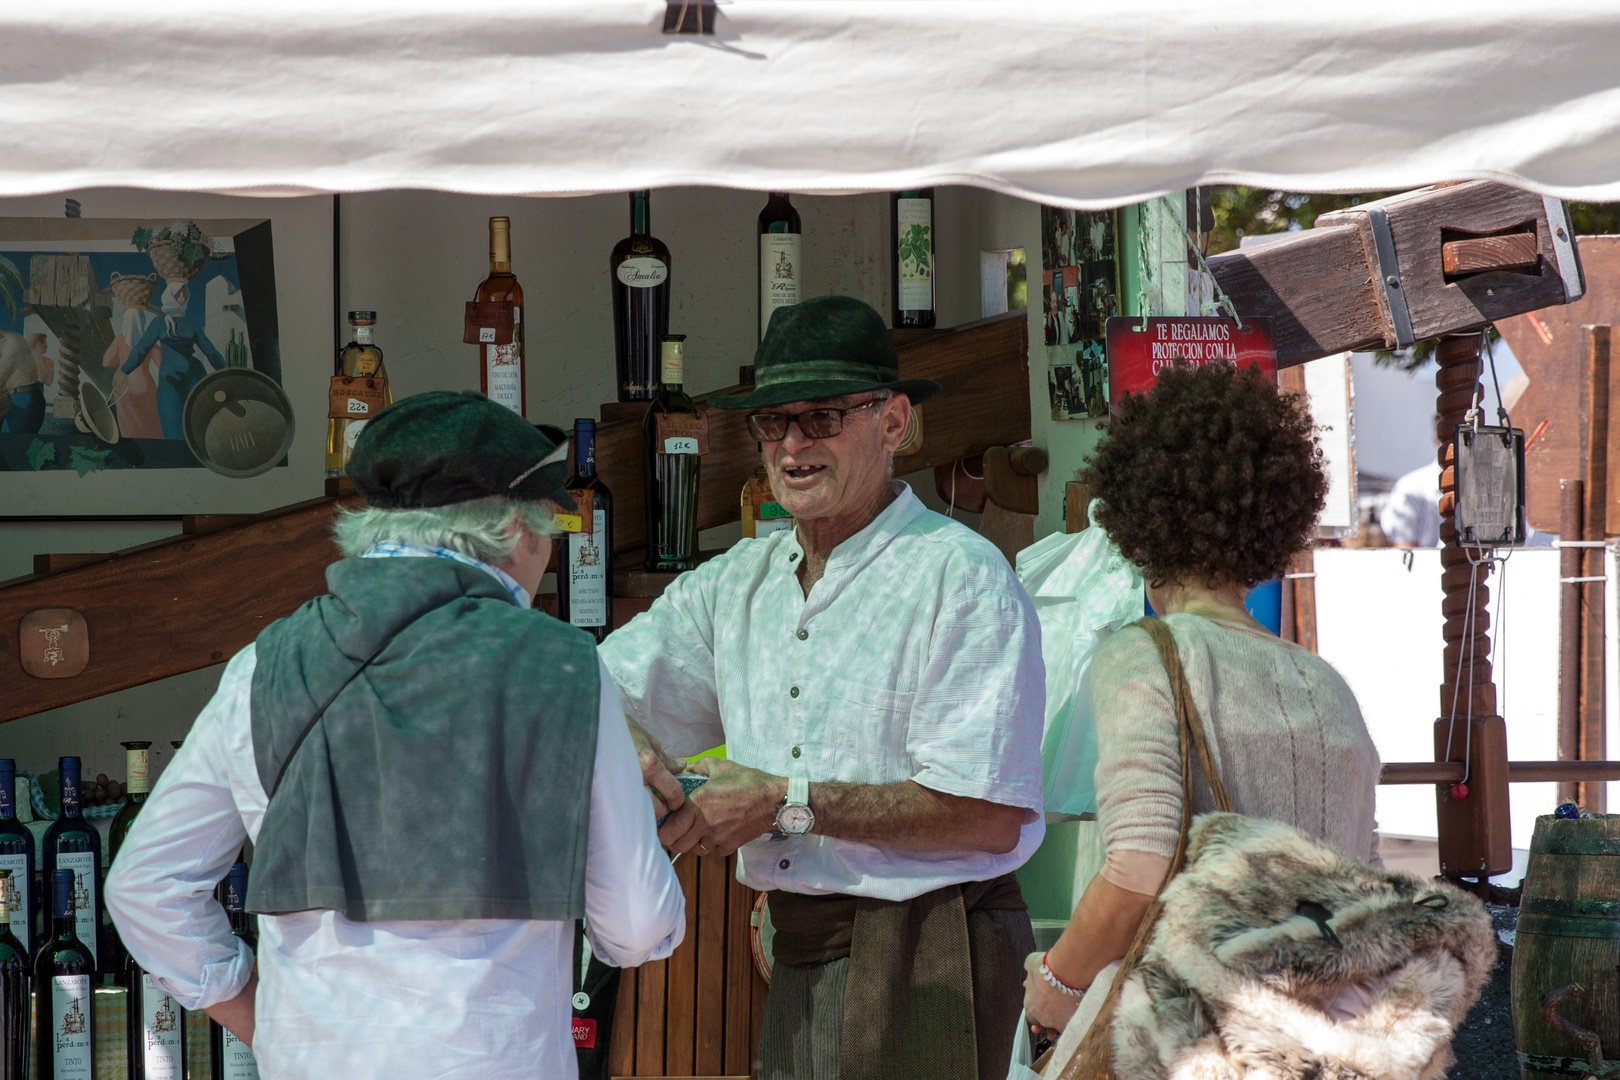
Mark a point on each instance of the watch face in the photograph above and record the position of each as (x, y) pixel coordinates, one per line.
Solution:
(794, 819)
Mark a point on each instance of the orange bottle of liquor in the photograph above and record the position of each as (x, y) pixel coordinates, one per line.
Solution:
(502, 376)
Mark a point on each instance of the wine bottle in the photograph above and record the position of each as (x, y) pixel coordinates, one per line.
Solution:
(504, 375)
(671, 442)
(154, 1027)
(585, 565)
(640, 265)
(779, 248)
(62, 974)
(761, 513)
(232, 1058)
(911, 264)
(73, 843)
(17, 856)
(360, 359)
(137, 782)
(16, 984)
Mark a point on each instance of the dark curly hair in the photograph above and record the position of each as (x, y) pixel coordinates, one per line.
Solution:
(1213, 475)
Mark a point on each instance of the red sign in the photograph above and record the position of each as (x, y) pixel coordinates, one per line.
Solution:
(584, 1033)
(1139, 349)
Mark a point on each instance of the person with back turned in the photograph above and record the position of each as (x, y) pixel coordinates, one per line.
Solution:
(875, 674)
(437, 783)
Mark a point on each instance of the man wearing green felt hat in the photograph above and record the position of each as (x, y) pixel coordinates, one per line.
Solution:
(875, 675)
(438, 783)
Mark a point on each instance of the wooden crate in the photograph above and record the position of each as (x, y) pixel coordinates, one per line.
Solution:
(699, 1012)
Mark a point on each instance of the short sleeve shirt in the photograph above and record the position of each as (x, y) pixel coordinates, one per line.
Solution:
(916, 656)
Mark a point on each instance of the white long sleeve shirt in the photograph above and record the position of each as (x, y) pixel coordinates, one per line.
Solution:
(916, 656)
(476, 999)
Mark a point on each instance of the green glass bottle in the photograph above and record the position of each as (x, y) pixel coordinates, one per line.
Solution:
(63, 971)
(16, 983)
(671, 445)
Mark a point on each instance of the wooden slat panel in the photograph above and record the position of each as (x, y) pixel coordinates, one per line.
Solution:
(680, 1002)
(171, 606)
(622, 1051)
(983, 367)
(650, 1018)
(739, 974)
(710, 1005)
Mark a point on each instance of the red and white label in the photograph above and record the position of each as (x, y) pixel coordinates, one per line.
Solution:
(584, 1033)
(1139, 350)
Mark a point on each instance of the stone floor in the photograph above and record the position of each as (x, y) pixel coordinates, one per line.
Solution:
(1484, 1043)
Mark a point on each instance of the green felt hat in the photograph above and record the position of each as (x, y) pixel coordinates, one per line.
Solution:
(445, 447)
(822, 348)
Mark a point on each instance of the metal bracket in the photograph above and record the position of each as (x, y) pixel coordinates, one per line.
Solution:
(1389, 277)
(1564, 252)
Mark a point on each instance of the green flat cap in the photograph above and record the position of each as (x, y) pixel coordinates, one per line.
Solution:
(822, 348)
(446, 447)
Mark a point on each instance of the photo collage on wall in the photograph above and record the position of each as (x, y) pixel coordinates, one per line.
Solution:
(1079, 292)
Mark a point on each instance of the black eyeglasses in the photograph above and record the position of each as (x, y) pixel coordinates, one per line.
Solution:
(815, 423)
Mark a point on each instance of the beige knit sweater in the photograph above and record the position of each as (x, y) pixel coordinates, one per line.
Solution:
(1287, 736)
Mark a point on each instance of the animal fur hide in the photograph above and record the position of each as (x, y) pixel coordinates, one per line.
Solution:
(1263, 930)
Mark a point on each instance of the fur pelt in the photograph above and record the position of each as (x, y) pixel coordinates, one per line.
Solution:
(1263, 929)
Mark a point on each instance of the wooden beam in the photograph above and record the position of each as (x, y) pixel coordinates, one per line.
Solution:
(1519, 772)
(169, 607)
(1595, 451)
(1325, 287)
(983, 367)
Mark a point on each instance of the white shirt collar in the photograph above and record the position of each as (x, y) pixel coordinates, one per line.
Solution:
(390, 549)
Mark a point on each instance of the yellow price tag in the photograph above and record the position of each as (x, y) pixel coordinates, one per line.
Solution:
(570, 523)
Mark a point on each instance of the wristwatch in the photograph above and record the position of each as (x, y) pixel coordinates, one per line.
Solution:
(794, 817)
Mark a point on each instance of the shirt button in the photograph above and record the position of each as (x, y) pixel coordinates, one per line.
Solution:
(793, 557)
(803, 634)
(795, 751)
(793, 692)
(783, 865)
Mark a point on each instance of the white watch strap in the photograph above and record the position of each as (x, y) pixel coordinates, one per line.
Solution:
(798, 791)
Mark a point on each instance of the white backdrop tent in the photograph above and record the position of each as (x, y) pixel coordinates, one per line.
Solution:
(1077, 103)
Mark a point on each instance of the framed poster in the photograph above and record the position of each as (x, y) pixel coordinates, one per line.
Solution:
(163, 353)
(1079, 293)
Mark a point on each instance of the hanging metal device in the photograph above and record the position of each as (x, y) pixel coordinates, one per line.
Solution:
(1490, 485)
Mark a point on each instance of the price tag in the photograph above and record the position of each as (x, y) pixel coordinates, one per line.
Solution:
(570, 523)
(354, 398)
(682, 433)
(488, 324)
(586, 522)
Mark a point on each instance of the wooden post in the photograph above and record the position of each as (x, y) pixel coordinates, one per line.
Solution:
(1301, 589)
(1571, 496)
(1474, 834)
(1593, 795)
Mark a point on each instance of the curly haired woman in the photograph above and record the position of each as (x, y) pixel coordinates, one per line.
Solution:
(1209, 483)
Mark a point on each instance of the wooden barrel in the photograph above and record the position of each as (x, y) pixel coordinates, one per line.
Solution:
(1569, 936)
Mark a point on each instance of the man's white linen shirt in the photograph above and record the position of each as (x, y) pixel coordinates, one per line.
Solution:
(916, 656)
(469, 999)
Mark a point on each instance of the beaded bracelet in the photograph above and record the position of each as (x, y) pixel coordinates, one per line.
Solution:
(1061, 986)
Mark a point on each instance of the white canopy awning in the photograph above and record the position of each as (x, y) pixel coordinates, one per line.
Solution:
(1077, 103)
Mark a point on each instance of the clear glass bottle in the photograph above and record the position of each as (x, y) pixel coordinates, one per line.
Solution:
(503, 376)
(761, 513)
(360, 359)
(671, 468)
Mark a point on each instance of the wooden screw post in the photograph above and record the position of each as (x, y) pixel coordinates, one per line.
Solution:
(1572, 494)
(1475, 840)
(1595, 452)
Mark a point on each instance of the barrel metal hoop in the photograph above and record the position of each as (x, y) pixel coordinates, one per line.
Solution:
(1569, 845)
(1576, 909)
(1550, 1063)
(1555, 926)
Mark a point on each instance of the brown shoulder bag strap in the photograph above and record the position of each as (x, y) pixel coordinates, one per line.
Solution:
(1094, 1058)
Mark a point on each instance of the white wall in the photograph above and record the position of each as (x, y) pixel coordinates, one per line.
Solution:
(1379, 624)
